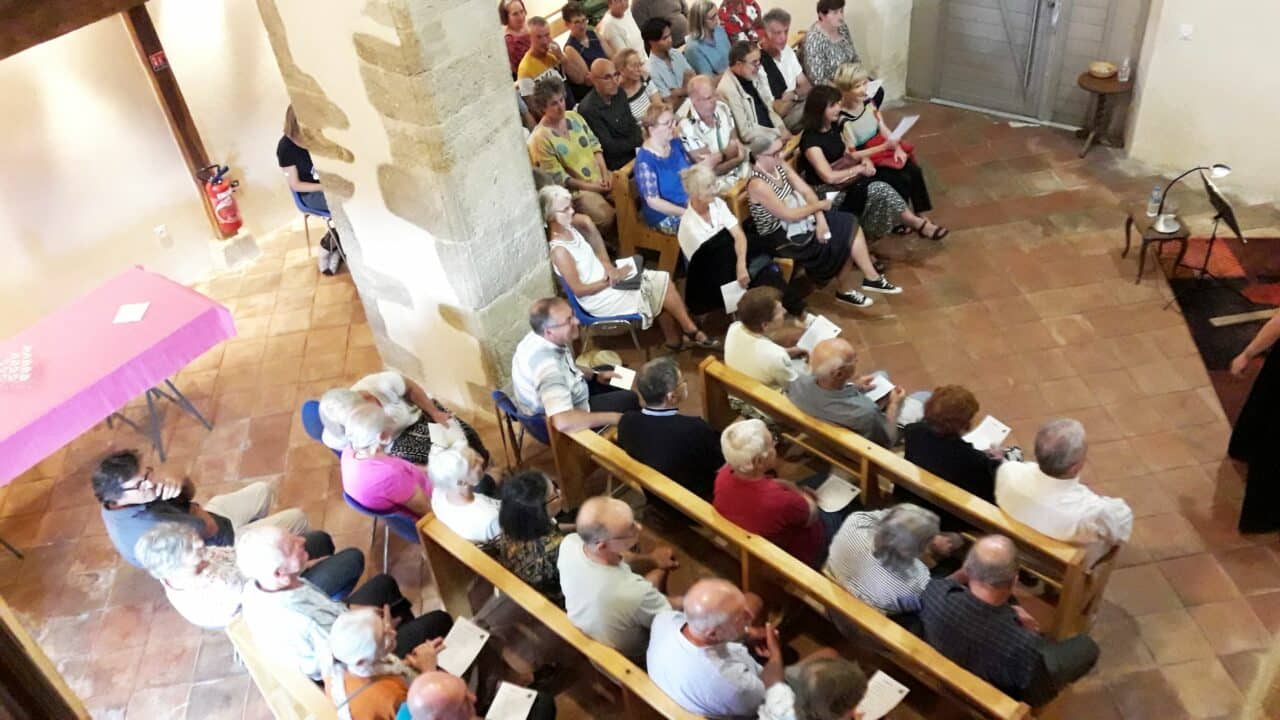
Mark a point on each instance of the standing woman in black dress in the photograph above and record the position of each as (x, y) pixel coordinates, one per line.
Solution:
(1257, 431)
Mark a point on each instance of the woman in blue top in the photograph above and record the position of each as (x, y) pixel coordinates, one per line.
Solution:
(707, 47)
(659, 161)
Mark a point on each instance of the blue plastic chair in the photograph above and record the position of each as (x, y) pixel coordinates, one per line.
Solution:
(610, 325)
(307, 211)
(312, 424)
(510, 418)
(392, 522)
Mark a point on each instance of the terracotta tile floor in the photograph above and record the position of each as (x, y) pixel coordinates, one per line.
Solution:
(1028, 302)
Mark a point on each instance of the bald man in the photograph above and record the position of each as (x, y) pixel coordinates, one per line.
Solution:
(603, 596)
(698, 657)
(706, 125)
(971, 618)
(438, 696)
(831, 393)
(608, 113)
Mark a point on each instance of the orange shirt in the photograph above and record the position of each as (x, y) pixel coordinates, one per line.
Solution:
(380, 701)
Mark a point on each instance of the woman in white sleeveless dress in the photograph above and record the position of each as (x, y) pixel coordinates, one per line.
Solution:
(587, 270)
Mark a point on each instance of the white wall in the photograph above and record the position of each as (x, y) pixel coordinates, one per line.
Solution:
(88, 165)
(1214, 98)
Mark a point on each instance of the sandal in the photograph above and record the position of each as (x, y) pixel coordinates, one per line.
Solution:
(938, 233)
(709, 343)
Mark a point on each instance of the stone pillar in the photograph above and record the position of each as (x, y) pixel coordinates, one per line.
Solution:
(410, 117)
(882, 33)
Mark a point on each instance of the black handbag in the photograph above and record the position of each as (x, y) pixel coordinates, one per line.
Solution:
(633, 282)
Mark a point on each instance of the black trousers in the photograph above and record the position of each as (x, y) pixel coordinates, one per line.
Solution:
(607, 398)
(384, 590)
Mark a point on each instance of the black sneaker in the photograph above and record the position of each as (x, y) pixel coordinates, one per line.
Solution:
(855, 298)
(881, 285)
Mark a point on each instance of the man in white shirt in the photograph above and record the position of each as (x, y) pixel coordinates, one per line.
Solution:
(618, 30)
(697, 656)
(780, 69)
(603, 597)
(1048, 495)
(545, 379)
(709, 133)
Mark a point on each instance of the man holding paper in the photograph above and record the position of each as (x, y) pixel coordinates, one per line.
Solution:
(869, 405)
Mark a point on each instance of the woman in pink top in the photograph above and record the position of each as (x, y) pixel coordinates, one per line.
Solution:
(381, 482)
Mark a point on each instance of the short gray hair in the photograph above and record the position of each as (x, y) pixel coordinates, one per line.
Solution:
(166, 548)
(336, 407)
(657, 379)
(366, 425)
(707, 621)
(699, 181)
(993, 560)
(260, 551)
(902, 534)
(777, 15)
(353, 638)
(1060, 446)
(450, 470)
(545, 89)
(826, 688)
(744, 441)
(547, 198)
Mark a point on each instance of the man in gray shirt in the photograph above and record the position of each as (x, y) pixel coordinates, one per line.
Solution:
(828, 394)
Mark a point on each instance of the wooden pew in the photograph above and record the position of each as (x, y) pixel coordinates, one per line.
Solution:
(763, 564)
(30, 685)
(633, 231)
(455, 562)
(1061, 564)
(290, 694)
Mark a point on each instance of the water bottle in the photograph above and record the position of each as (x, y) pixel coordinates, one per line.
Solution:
(1153, 203)
(1124, 71)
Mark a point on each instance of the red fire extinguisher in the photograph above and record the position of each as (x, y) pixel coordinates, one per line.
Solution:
(221, 199)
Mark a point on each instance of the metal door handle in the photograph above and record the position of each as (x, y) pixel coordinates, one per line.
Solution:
(1031, 42)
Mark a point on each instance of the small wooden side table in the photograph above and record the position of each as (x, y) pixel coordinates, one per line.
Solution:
(1149, 234)
(1101, 89)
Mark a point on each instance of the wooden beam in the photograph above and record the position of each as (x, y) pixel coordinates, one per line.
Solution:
(28, 23)
(156, 65)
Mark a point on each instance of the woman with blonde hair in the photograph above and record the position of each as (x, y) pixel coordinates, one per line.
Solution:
(659, 160)
(707, 44)
(640, 92)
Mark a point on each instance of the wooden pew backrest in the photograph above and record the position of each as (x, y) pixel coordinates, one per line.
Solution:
(633, 231)
(30, 685)
(290, 694)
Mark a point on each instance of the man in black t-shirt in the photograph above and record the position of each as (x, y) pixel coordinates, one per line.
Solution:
(684, 448)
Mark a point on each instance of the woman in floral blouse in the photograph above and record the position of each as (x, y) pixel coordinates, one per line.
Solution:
(563, 146)
(530, 540)
(828, 44)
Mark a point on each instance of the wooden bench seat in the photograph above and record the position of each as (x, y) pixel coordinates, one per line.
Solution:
(289, 694)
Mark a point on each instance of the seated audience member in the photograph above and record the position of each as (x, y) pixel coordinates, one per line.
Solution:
(441, 696)
(795, 223)
(295, 161)
(603, 596)
(829, 168)
(543, 61)
(290, 615)
(455, 474)
(657, 170)
(564, 147)
(698, 658)
(832, 394)
(707, 46)
(750, 101)
(780, 69)
(380, 482)
(708, 134)
(828, 43)
(936, 444)
(515, 32)
(134, 500)
(969, 617)
(748, 347)
(1048, 495)
(203, 584)
(581, 49)
(411, 410)
(860, 125)
(608, 114)
(823, 688)
(668, 68)
(685, 448)
(592, 277)
(877, 555)
(366, 680)
(742, 20)
(546, 381)
(673, 11)
(619, 31)
(780, 512)
(635, 83)
(530, 540)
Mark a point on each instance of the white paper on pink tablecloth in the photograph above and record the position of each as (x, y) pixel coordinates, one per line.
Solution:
(85, 367)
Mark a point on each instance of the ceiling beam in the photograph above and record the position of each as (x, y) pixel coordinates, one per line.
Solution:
(27, 23)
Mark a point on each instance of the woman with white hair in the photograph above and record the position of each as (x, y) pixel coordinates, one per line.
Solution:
(419, 424)
(366, 680)
(748, 496)
(605, 290)
(454, 477)
(877, 555)
(381, 482)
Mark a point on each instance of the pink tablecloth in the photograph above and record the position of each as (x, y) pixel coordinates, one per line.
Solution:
(85, 367)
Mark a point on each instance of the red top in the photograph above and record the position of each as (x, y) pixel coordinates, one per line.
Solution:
(517, 46)
(773, 510)
(742, 20)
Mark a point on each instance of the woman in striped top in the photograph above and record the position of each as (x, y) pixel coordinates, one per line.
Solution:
(789, 216)
(640, 92)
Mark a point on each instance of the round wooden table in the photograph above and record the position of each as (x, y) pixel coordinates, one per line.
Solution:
(1101, 89)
